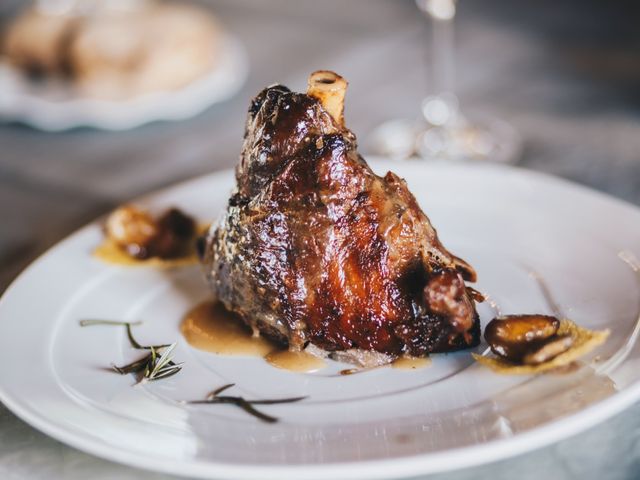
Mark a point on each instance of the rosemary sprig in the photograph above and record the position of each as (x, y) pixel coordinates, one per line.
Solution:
(156, 365)
(246, 405)
(153, 366)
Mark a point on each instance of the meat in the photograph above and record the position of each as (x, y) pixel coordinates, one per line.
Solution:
(316, 251)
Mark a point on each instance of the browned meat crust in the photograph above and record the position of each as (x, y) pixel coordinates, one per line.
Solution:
(314, 247)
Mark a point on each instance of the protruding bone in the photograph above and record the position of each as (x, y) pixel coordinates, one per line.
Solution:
(329, 88)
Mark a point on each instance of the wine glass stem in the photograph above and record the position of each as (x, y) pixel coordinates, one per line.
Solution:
(443, 73)
(441, 106)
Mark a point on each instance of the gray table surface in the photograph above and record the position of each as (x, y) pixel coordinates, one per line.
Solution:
(565, 73)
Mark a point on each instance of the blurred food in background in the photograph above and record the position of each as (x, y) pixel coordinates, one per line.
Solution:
(114, 50)
(34, 42)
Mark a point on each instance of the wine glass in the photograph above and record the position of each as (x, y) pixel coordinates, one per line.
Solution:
(443, 131)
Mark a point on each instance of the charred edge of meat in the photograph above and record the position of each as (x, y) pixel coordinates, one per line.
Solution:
(314, 247)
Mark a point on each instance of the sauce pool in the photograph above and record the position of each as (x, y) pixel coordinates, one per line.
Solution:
(212, 328)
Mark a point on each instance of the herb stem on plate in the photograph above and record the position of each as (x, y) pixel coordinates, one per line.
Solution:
(88, 323)
(246, 405)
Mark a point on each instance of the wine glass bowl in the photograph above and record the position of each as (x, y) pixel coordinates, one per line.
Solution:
(443, 131)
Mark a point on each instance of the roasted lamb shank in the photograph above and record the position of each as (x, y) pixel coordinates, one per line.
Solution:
(316, 251)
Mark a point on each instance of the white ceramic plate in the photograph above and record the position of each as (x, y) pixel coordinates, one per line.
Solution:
(379, 424)
(53, 107)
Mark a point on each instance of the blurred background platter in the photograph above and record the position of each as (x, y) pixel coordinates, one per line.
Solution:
(54, 106)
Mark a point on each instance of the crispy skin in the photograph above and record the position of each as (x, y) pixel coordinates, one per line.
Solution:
(314, 247)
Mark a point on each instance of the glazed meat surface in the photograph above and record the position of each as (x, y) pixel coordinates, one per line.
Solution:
(315, 248)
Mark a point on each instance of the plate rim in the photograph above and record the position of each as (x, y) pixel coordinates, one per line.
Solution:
(402, 466)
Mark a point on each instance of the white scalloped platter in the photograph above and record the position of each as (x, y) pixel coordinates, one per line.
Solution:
(382, 423)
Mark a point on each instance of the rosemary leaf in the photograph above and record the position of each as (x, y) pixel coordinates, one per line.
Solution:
(134, 367)
(168, 371)
(246, 406)
(162, 362)
(220, 390)
(160, 365)
(276, 401)
(150, 364)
